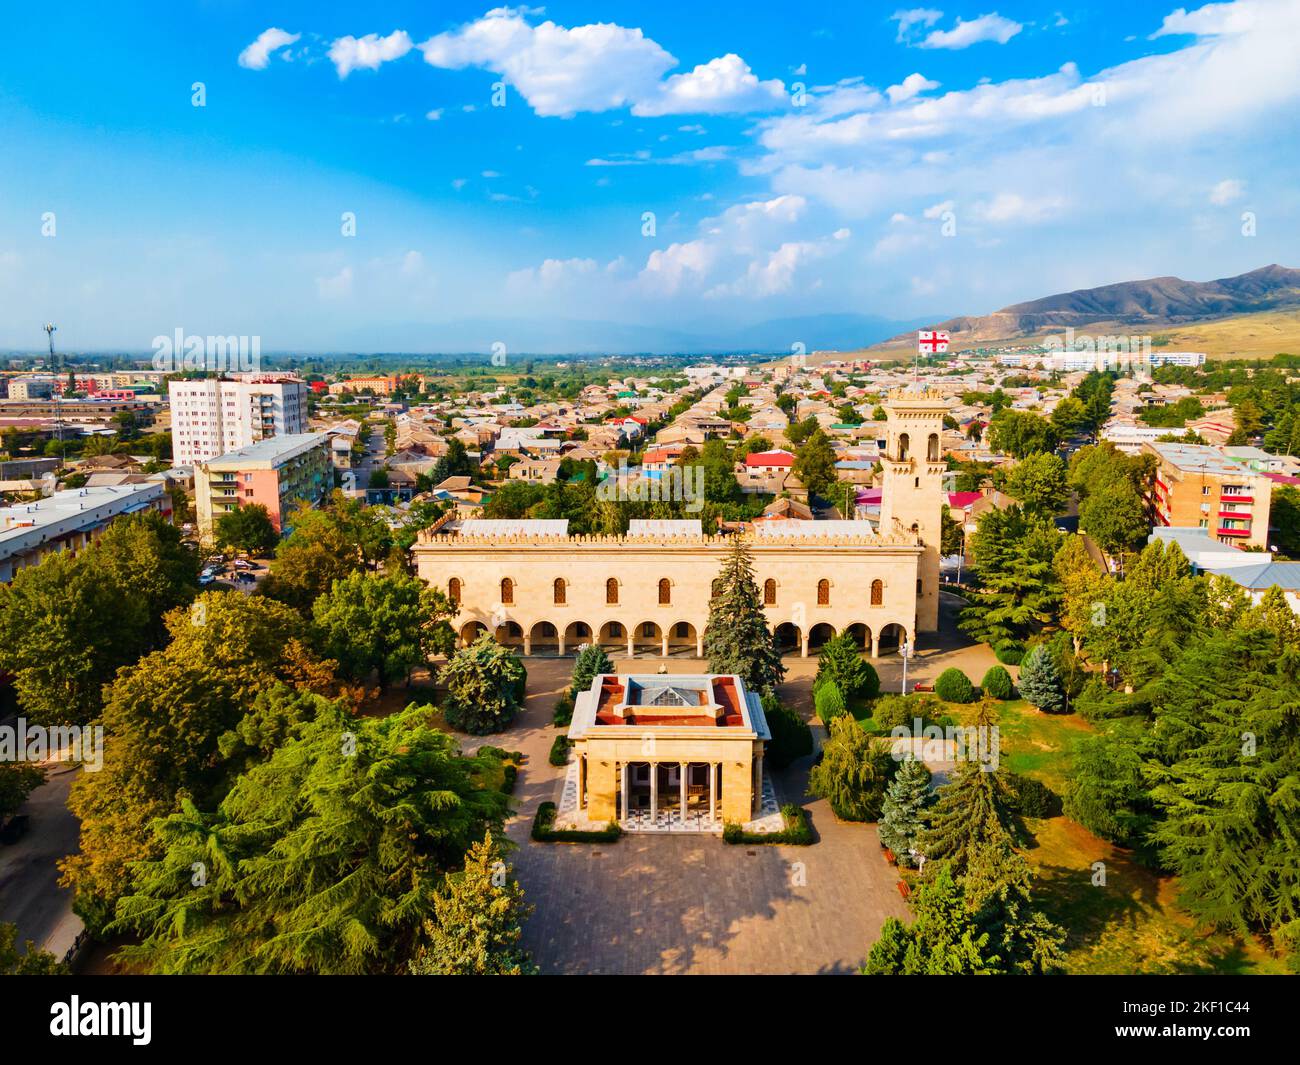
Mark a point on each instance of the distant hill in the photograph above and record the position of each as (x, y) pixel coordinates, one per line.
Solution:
(1157, 304)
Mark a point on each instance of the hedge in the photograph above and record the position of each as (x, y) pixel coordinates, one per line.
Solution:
(1033, 798)
(797, 831)
(545, 832)
(563, 715)
(953, 686)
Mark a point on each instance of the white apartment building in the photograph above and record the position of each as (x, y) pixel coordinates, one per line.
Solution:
(212, 416)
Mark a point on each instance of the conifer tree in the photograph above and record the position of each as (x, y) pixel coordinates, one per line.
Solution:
(1040, 681)
(853, 773)
(840, 660)
(902, 816)
(477, 923)
(736, 638)
(590, 662)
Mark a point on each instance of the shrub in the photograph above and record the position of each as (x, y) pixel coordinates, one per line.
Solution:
(1033, 798)
(791, 736)
(953, 686)
(829, 702)
(560, 750)
(891, 711)
(563, 715)
(997, 683)
(797, 831)
(1009, 655)
(544, 830)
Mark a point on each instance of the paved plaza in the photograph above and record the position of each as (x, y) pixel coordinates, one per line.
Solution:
(682, 902)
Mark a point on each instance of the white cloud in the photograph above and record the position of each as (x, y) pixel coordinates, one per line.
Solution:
(991, 27)
(558, 71)
(369, 52)
(1226, 191)
(258, 54)
(337, 287)
(723, 85)
(910, 86)
(434, 115)
(1209, 21)
(924, 17)
(1007, 207)
(561, 71)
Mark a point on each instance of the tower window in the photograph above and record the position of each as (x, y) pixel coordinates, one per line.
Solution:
(611, 592)
(559, 591)
(453, 589)
(823, 592)
(665, 591)
(904, 445)
(507, 591)
(877, 593)
(769, 592)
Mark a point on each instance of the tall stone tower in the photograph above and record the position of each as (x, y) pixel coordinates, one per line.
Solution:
(912, 494)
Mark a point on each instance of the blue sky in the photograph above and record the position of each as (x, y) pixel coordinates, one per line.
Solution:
(797, 160)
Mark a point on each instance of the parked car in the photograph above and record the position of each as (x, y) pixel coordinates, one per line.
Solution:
(243, 563)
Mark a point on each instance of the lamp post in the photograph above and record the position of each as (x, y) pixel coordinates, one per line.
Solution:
(905, 648)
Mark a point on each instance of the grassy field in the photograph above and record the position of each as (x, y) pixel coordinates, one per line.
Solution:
(1246, 336)
(1131, 923)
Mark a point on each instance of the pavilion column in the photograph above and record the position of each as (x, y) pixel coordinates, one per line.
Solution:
(528, 644)
(630, 638)
(803, 645)
(875, 646)
(665, 643)
(699, 646)
(654, 792)
(560, 643)
(625, 770)
(713, 792)
(682, 768)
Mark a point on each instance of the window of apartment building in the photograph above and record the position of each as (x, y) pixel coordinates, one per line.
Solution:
(611, 592)
(769, 592)
(507, 591)
(823, 592)
(665, 591)
(877, 593)
(559, 591)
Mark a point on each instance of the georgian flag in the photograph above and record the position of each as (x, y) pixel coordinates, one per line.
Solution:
(931, 341)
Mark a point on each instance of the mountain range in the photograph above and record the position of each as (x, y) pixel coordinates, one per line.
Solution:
(1156, 303)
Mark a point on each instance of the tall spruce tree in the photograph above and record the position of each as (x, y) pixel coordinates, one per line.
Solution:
(902, 817)
(736, 638)
(1040, 681)
(971, 824)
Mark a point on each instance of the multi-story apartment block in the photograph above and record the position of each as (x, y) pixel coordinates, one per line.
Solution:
(70, 520)
(275, 473)
(212, 416)
(1201, 486)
